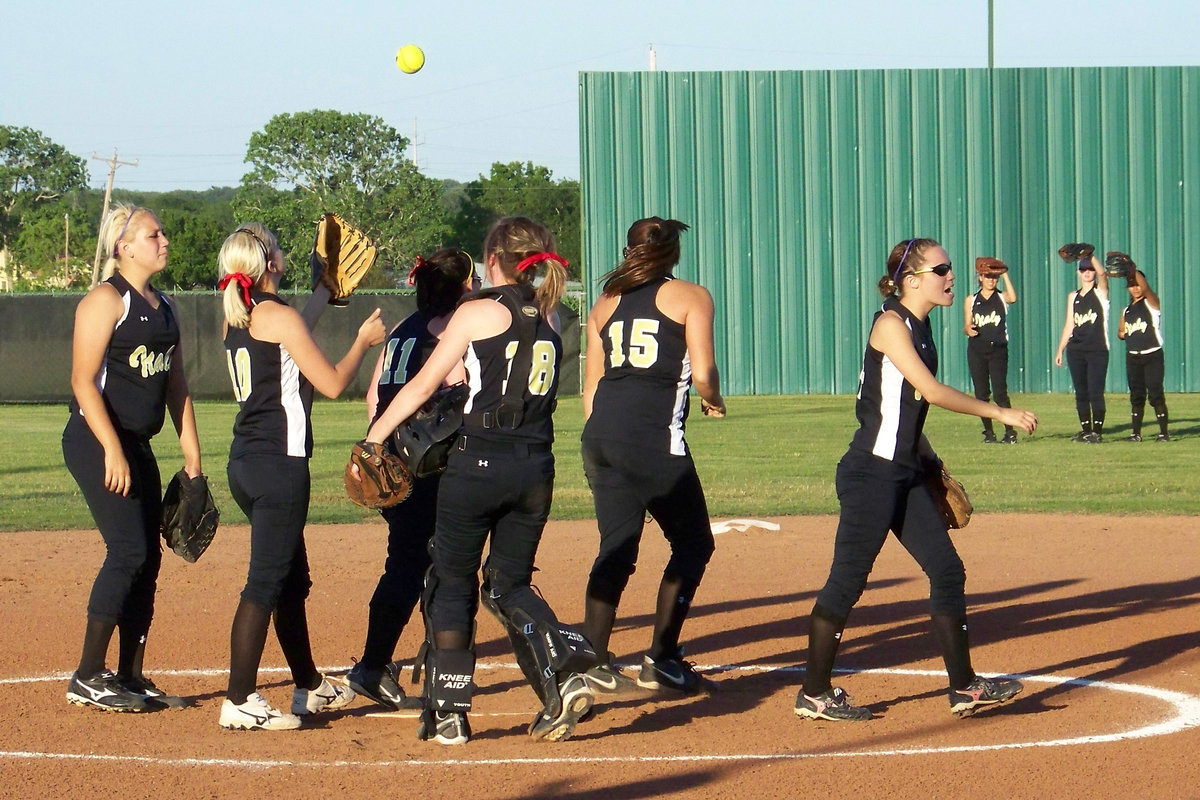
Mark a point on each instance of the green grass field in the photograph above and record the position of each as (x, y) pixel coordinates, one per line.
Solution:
(770, 456)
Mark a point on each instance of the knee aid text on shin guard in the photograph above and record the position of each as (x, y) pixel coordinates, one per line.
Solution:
(448, 680)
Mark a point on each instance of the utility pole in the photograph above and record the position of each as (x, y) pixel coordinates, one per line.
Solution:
(113, 163)
(991, 34)
(653, 59)
(67, 250)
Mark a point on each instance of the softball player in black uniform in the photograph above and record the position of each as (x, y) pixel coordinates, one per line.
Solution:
(986, 326)
(1085, 340)
(498, 486)
(650, 337)
(275, 365)
(1141, 328)
(440, 281)
(126, 372)
(880, 487)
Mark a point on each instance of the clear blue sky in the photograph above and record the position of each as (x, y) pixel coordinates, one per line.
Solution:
(180, 86)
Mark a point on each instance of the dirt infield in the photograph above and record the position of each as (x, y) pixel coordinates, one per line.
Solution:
(1101, 614)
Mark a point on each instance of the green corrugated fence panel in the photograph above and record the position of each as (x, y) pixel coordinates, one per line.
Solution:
(796, 185)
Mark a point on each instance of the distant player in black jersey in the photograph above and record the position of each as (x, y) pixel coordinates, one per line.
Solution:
(880, 487)
(440, 281)
(497, 488)
(986, 325)
(275, 365)
(649, 338)
(1085, 340)
(1141, 328)
(126, 373)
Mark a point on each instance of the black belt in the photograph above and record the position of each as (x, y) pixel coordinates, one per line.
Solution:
(474, 444)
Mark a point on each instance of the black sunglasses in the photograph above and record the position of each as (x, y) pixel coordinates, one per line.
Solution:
(941, 270)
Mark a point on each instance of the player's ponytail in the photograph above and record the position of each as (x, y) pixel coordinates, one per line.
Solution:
(243, 263)
(522, 248)
(651, 252)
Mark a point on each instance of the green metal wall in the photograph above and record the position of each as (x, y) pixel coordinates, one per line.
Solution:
(797, 184)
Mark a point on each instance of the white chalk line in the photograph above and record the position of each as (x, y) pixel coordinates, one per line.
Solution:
(1186, 715)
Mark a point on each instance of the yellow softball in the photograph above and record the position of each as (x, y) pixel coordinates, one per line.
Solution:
(410, 58)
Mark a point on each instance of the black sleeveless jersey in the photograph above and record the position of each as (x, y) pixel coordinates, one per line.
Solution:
(133, 376)
(643, 396)
(275, 400)
(488, 362)
(1091, 322)
(990, 318)
(891, 414)
(405, 351)
(1143, 331)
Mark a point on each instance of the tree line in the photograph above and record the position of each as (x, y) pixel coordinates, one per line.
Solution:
(300, 166)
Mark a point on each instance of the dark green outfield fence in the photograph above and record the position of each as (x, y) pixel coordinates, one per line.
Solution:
(796, 185)
(35, 343)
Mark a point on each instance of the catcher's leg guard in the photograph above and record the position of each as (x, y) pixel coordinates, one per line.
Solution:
(449, 676)
(547, 650)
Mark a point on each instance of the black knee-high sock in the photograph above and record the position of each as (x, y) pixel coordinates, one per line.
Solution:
(951, 633)
(674, 601)
(824, 636)
(599, 616)
(1135, 418)
(987, 425)
(1098, 426)
(132, 648)
(1160, 411)
(96, 637)
(291, 628)
(246, 641)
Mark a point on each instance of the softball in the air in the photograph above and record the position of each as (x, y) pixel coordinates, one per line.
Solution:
(410, 58)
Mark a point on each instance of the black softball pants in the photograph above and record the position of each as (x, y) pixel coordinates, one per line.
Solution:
(876, 497)
(410, 527)
(1146, 374)
(1089, 368)
(626, 482)
(123, 592)
(273, 492)
(988, 364)
(497, 491)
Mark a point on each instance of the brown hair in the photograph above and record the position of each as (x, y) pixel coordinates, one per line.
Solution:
(512, 240)
(440, 280)
(905, 257)
(651, 252)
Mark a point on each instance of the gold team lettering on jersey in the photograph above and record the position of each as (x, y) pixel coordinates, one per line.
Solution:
(149, 362)
(1140, 326)
(989, 319)
(1085, 319)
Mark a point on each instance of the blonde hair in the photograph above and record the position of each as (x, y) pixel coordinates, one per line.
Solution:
(512, 240)
(247, 250)
(113, 230)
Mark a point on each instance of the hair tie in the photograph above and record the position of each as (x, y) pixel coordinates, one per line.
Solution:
(412, 273)
(896, 277)
(538, 258)
(117, 243)
(243, 280)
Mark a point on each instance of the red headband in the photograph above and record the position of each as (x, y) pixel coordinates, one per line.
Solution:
(243, 280)
(412, 273)
(538, 258)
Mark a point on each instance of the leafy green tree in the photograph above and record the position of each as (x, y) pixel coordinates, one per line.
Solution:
(311, 162)
(33, 170)
(526, 190)
(38, 247)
